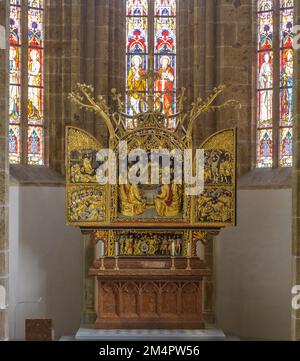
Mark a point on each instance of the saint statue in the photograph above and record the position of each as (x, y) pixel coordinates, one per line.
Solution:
(168, 202)
(131, 200)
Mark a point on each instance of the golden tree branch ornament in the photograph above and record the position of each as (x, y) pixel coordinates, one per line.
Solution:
(83, 96)
(201, 107)
(117, 121)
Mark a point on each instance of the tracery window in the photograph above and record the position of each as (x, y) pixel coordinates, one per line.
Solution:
(151, 45)
(26, 119)
(275, 83)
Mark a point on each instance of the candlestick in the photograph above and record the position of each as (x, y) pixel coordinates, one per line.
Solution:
(102, 252)
(116, 264)
(102, 249)
(102, 267)
(189, 254)
(173, 268)
(117, 257)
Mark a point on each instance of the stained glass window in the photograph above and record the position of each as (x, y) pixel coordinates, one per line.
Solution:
(15, 82)
(286, 82)
(165, 53)
(137, 54)
(141, 43)
(36, 4)
(265, 5)
(26, 133)
(265, 84)
(270, 85)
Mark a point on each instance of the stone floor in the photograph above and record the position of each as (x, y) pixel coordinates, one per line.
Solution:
(85, 334)
(227, 338)
(91, 334)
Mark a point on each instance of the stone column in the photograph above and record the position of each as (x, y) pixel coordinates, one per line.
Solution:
(196, 60)
(63, 69)
(236, 61)
(185, 47)
(296, 187)
(4, 95)
(101, 61)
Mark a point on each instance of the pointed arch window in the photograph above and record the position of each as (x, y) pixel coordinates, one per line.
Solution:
(151, 45)
(26, 113)
(275, 83)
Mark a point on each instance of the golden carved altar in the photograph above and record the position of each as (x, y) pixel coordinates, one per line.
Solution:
(148, 271)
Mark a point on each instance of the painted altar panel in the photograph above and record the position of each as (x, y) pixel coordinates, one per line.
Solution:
(90, 204)
(152, 202)
(86, 199)
(216, 206)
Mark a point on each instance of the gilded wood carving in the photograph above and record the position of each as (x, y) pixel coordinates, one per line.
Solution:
(147, 219)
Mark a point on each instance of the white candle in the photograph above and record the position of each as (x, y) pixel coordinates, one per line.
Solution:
(189, 250)
(117, 249)
(102, 249)
(173, 249)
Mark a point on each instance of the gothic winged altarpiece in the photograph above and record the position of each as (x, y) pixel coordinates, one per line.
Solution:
(148, 270)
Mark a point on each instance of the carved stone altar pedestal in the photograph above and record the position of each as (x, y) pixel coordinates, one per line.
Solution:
(147, 294)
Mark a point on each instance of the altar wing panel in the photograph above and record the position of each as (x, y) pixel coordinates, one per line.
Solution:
(216, 206)
(86, 199)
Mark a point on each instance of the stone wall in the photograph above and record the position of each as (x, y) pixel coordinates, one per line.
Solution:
(196, 57)
(216, 45)
(62, 71)
(4, 254)
(236, 63)
(82, 44)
